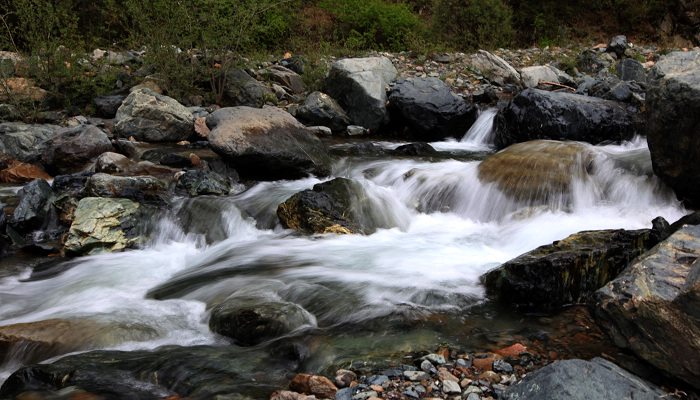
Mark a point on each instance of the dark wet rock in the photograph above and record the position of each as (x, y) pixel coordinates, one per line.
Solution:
(673, 122)
(359, 86)
(631, 70)
(33, 208)
(360, 149)
(321, 109)
(337, 206)
(151, 117)
(175, 160)
(610, 87)
(589, 62)
(107, 106)
(536, 114)
(125, 147)
(71, 183)
(37, 341)
(202, 372)
(287, 78)
(567, 271)
(102, 225)
(23, 140)
(497, 69)
(266, 144)
(485, 96)
(414, 149)
(252, 321)
(430, 109)
(617, 45)
(71, 149)
(199, 182)
(579, 379)
(105, 185)
(652, 308)
(538, 171)
(244, 90)
(295, 63)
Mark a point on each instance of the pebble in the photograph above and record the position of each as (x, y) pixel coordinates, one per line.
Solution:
(451, 387)
(416, 376)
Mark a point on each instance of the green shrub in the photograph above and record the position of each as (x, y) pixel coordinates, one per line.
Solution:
(473, 24)
(372, 24)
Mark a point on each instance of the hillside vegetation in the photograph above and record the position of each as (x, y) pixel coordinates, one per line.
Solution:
(191, 44)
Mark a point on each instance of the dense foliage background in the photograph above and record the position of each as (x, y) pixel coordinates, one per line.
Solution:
(191, 44)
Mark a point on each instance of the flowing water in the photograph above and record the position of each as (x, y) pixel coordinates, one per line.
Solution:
(406, 287)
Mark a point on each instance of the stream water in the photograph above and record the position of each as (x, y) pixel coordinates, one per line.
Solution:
(406, 287)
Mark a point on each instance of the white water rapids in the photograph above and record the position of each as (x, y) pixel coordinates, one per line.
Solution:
(447, 228)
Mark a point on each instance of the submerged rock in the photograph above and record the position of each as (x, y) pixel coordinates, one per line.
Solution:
(673, 122)
(337, 206)
(36, 341)
(652, 308)
(253, 321)
(267, 144)
(539, 171)
(567, 271)
(579, 379)
(536, 114)
(102, 225)
(359, 85)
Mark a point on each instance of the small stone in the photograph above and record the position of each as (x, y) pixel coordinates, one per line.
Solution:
(436, 359)
(445, 375)
(512, 351)
(502, 366)
(365, 395)
(355, 130)
(445, 353)
(377, 380)
(318, 386)
(416, 376)
(377, 388)
(426, 366)
(344, 377)
(473, 396)
(451, 387)
(465, 382)
(490, 376)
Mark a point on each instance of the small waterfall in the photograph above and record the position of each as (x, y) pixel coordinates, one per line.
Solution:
(481, 133)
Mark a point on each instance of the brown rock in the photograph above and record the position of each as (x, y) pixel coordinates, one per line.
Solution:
(344, 377)
(445, 352)
(19, 172)
(538, 170)
(445, 375)
(21, 88)
(318, 386)
(195, 160)
(490, 376)
(201, 128)
(486, 363)
(512, 351)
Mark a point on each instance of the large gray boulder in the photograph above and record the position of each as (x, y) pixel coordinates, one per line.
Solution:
(653, 307)
(673, 122)
(71, 149)
(152, 117)
(359, 85)
(536, 114)
(243, 90)
(22, 140)
(102, 225)
(497, 69)
(430, 109)
(583, 380)
(320, 109)
(267, 143)
(532, 76)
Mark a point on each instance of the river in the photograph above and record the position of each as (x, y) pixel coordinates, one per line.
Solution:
(406, 287)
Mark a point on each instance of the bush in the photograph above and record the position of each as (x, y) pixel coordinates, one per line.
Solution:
(372, 24)
(473, 24)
